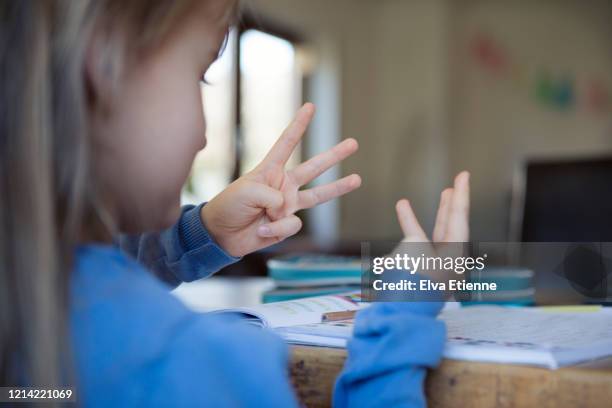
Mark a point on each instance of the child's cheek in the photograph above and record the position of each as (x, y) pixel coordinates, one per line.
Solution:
(157, 128)
(172, 162)
(146, 164)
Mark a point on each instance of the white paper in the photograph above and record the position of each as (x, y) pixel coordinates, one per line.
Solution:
(527, 336)
(531, 326)
(299, 311)
(498, 334)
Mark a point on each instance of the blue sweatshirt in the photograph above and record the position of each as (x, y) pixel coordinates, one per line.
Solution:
(136, 345)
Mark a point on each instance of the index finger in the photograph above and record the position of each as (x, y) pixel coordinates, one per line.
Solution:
(442, 217)
(284, 146)
(458, 229)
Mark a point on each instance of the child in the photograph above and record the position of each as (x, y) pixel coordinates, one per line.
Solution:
(100, 119)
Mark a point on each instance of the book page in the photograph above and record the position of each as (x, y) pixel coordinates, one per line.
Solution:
(527, 328)
(300, 311)
(497, 334)
(327, 334)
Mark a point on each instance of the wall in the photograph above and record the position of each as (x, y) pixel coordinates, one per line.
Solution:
(404, 155)
(422, 110)
(497, 121)
(392, 70)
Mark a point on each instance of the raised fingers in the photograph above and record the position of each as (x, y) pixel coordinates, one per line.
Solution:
(439, 231)
(408, 222)
(320, 194)
(458, 229)
(284, 146)
(314, 167)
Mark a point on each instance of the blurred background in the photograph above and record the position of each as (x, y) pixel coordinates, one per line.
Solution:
(517, 92)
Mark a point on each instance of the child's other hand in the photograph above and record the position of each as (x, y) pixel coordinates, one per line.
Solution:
(451, 226)
(452, 220)
(258, 209)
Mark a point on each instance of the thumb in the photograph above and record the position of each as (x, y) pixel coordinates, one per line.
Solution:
(280, 229)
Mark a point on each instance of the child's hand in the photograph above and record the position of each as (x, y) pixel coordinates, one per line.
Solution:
(452, 220)
(452, 225)
(258, 209)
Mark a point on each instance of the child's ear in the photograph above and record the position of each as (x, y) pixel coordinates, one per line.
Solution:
(101, 71)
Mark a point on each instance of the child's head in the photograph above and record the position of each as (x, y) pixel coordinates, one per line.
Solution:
(148, 128)
(146, 116)
(100, 118)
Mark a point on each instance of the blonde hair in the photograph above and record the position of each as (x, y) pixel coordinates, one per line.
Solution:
(45, 177)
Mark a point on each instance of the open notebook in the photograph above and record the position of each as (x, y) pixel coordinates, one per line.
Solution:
(528, 336)
(296, 312)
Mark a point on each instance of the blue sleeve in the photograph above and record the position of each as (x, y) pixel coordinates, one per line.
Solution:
(393, 345)
(182, 253)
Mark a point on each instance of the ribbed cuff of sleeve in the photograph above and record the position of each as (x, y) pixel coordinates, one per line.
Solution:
(192, 231)
(195, 238)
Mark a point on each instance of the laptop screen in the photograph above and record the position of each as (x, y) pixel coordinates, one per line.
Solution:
(568, 201)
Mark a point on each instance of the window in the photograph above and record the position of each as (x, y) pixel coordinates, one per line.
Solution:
(270, 94)
(252, 93)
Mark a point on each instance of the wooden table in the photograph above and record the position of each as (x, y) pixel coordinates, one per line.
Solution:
(467, 384)
(453, 384)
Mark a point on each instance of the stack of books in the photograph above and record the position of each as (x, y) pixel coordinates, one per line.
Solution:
(306, 275)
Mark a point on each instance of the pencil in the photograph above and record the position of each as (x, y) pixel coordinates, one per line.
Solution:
(337, 316)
